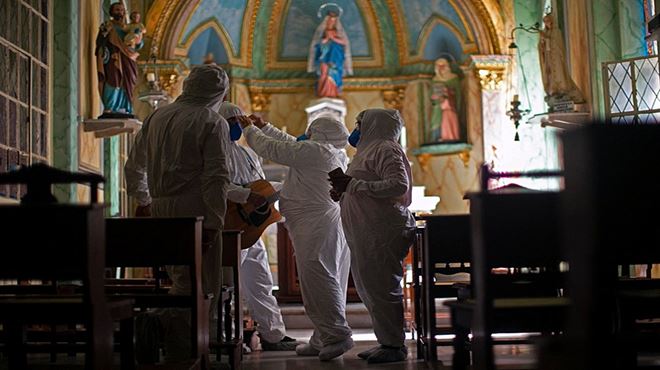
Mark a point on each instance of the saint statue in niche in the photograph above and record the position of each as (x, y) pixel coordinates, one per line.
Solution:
(446, 104)
(117, 45)
(557, 81)
(330, 52)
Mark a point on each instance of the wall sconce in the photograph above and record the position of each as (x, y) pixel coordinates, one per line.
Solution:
(535, 28)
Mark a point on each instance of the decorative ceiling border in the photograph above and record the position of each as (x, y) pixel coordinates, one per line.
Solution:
(168, 19)
(468, 46)
(485, 36)
(275, 35)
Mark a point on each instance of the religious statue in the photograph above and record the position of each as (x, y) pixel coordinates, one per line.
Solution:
(557, 82)
(446, 104)
(116, 54)
(135, 32)
(330, 53)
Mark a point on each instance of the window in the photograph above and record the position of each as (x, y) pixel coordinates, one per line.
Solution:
(24, 115)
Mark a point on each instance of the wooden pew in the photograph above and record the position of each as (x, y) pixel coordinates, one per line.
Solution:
(510, 229)
(612, 213)
(231, 295)
(57, 242)
(442, 252)
(146, 242)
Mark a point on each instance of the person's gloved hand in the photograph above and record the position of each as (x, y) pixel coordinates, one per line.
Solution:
(244, 121)
(143, 211)
(257, 200)
(257, 121)
(335, 195)
(340, 182)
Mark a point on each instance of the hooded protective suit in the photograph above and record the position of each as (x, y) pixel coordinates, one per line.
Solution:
(256, 279)
(313, 220)
(378, 226)
(178, 165)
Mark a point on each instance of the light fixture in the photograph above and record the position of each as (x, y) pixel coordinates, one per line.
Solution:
(515, 113)
(155, 95)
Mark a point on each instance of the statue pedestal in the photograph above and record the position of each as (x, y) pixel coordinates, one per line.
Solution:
(335, 108)
(107, 127)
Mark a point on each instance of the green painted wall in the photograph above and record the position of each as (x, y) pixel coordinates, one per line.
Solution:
(530, 84)
(65, 74)
(618, 33)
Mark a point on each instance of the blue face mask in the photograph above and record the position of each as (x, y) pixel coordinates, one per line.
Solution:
(354, 138)
(302, 137)
(235, 130)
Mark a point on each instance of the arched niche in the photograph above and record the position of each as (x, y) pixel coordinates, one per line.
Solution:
(207, 40)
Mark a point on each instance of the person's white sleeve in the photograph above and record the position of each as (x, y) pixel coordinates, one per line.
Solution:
(276, 133)
(215, 175)
(237, 193)
(392, 171)
(135, 169)
(289, 153)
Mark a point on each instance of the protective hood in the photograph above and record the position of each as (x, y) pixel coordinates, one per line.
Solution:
(205, 85)
(378, 125)
(328, 130)
(228, 110)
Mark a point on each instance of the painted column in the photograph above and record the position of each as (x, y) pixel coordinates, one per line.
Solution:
(111, 172)
(65, 93)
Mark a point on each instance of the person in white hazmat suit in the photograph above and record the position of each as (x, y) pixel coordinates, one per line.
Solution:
(314, 225)
(176, 168)
(256, 279)
(378, 225)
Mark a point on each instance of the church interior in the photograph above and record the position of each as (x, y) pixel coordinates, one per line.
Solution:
(533, 244)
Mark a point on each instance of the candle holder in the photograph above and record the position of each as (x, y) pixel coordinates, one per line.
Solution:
(516, 114)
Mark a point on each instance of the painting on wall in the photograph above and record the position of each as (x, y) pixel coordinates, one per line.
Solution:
(444, 105)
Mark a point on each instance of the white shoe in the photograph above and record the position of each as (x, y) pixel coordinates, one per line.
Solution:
(306, 349)
(336, 349)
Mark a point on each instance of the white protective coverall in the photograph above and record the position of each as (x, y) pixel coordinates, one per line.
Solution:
(378, 225)
(314, 225)
(256, 279)
(178, 165)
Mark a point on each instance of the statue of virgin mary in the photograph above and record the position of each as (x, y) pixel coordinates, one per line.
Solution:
(330, 53)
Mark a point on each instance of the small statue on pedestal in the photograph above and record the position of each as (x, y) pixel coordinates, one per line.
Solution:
(116, 54)
(557, 82)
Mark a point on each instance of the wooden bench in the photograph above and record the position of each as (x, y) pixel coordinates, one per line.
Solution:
(442, 251)
(149, 242)
(231, 325)
(514, 230)
(59, 242)
(612, 215)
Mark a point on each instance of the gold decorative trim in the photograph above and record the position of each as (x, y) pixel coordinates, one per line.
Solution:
(159, 24)
(260, 102)
(485, 17)
(399, 27)
(393, 99)
(277, 22)
(256, 4)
